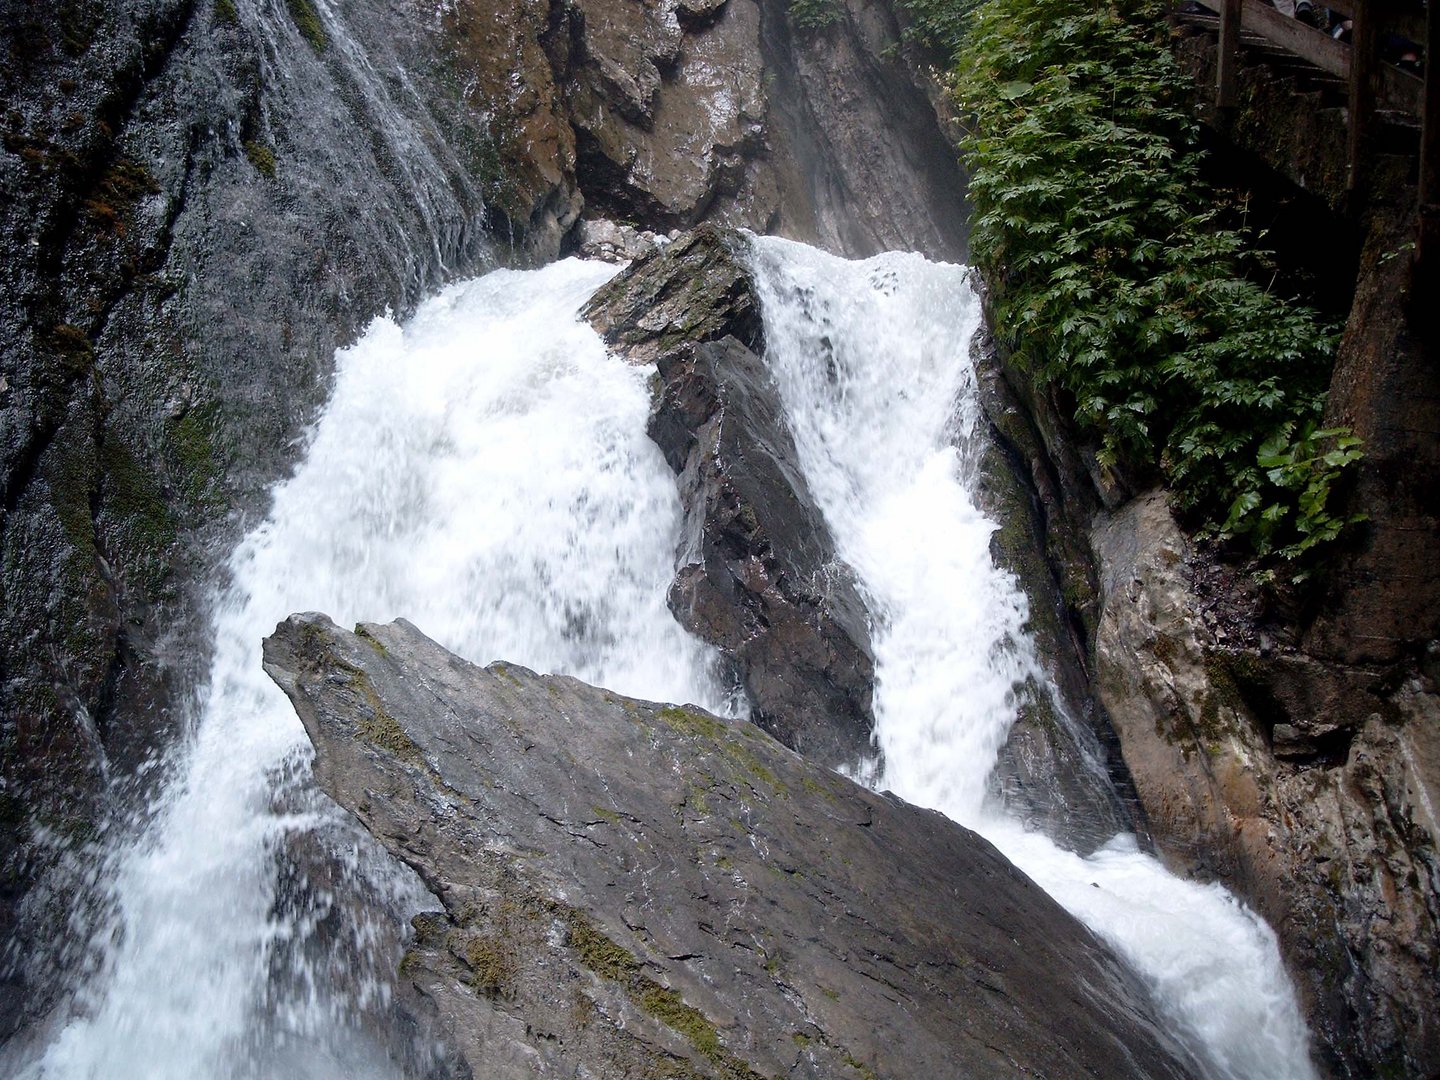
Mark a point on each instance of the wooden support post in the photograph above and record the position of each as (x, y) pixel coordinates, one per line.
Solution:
(1226, 96)
(1364, 60)
(1427, 245)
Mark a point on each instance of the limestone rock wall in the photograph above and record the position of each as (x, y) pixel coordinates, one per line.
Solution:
(1308, 790)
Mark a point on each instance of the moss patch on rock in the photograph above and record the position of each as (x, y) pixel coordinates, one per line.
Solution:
(307, 21)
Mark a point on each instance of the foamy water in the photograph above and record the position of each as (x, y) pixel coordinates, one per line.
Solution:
(873, 363)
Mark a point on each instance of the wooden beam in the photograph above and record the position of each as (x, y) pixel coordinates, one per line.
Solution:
(1226, 95)
(1364, 58)
(1304, 41)
(1427, 248)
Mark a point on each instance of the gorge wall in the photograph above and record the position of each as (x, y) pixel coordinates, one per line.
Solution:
(204, 199)
(1282, 741)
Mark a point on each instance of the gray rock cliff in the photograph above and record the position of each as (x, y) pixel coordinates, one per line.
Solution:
(1309, 791)
(638, 889)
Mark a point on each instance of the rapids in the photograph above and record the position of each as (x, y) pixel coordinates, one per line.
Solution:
(483, 471)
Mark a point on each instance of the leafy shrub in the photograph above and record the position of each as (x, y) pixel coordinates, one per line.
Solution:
(1112, 277)
(813, 14)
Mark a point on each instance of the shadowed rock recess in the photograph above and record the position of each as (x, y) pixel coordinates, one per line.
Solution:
(633, 889)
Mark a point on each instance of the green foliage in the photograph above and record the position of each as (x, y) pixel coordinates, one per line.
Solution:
(814, 14)
(939, 24)
(1113, 279)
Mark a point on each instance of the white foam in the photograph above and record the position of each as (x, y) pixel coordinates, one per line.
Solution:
(873, 363)
(482, 471)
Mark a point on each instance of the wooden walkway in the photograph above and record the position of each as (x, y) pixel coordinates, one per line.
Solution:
(1370, 83)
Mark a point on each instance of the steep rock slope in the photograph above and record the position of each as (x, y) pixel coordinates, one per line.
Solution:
(1309, 790)
(638, 889)
(203, 198)
(200, 202)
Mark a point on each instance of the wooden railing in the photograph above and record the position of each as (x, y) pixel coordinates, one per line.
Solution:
(1371, 84)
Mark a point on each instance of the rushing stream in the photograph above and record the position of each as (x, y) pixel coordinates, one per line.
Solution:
(872, 363)
(483, 471)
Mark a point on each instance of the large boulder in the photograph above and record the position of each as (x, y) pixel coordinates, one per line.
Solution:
(633, 889)
(758, 574)
(692, 290)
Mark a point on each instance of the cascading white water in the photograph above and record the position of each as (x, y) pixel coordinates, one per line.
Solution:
(872, 361)
(482, 471)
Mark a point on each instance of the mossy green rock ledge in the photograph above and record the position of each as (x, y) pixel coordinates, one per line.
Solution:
(642, 890)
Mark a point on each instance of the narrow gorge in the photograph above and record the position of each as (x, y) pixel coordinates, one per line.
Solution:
(751, 673)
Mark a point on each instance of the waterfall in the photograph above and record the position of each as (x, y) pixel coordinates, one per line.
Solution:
(872, 362)
(482, 471)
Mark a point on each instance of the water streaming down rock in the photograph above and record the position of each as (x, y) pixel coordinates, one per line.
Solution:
(484, 471)
(871, 358)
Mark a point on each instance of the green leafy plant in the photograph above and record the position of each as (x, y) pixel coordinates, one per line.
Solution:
(810, 15)
(1112, 278)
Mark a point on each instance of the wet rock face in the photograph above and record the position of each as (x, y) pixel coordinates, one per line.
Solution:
(863, 165)
(1308, 788)
(693, 290)
(202, 199)
(758, 577)
(1060, 768)
(637, 889)
(200, 202)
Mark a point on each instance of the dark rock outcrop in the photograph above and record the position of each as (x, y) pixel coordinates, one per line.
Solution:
(758, 577)
(1308, 790)
(1060, 768)
(694, 290)
(637, 889)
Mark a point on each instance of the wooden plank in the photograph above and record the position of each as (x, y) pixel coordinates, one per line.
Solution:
(1396, 89)
(1364, 58)
(1226, 94)
(1428, 243)
(1304, 41)
(1294, 36)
